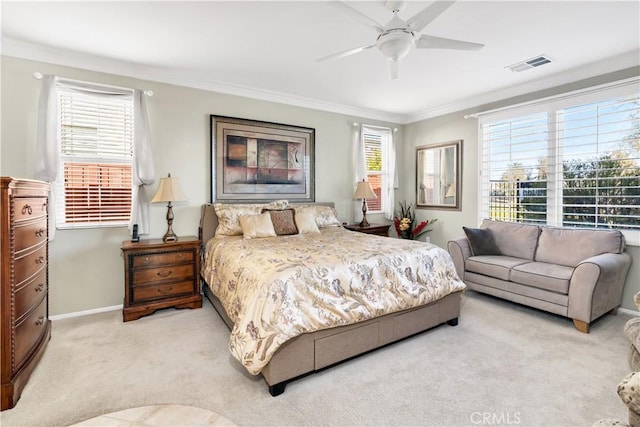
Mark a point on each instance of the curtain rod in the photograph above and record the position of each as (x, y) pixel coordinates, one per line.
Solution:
(38, 76)
(611, 85)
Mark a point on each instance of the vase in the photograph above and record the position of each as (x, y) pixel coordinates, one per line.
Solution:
(406, 234)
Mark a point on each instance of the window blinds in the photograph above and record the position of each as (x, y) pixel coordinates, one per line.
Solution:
(373, 154)
(566, 162)
(96, 152)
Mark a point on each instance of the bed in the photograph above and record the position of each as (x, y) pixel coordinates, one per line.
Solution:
(299, 303)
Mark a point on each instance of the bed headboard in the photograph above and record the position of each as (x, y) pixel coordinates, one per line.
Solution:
(209, 220)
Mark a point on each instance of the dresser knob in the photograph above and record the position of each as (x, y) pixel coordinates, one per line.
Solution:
(26, 209)
(40, 232)
(146, 260)
(40, 287)
(165, 291)
(40, 260)
(164, 273)
(40, 321)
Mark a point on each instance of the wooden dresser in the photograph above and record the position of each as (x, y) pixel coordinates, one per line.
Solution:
(160, 275)
(377, 229)
(24, 309)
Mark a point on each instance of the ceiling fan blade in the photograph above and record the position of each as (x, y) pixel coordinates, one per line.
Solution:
(346, 53)
(359, 16)
(431, 12)
(394, 68)
(431, 42)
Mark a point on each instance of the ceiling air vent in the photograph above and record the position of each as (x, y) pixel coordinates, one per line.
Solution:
(529, 63)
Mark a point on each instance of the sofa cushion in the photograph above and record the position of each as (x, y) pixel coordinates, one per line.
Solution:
(513, 239)
(481, 241)
(551, 277)
(571, 246)
(493, 265)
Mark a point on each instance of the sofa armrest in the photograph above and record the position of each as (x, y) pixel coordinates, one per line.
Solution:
(596, 286)
(459, 250)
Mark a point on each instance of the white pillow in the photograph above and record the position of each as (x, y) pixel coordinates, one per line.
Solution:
(306, 222)
(325, 215)
(228, 214)
(254, 226)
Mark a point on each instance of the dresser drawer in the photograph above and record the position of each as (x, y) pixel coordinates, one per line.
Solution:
(29, 331)
(30, 234)
(29, 208)
(29, 263)
(162, 259)
(151, 292)
(31, 293)
(170, 273)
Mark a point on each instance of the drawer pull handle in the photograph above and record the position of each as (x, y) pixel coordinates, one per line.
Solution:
(40, 321)
(40, 232)
(26, 209)
(164, 273)
(146, 260)
(40, 260)
(165, 291)
(40, 287)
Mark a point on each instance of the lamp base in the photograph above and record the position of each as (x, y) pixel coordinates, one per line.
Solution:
(169, 236)
(364, 222)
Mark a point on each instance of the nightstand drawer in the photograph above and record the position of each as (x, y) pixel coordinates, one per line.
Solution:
(171, 273)
(162, 259)
(29, 264)
(151, 292)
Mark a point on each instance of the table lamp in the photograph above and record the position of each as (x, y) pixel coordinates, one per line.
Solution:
(169, 191)
(364, 192)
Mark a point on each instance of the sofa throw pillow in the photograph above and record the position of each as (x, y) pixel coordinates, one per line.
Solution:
(254, 226)
(481, 241)
(283, 221)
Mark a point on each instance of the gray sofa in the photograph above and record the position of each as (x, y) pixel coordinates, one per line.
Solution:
(577, 273)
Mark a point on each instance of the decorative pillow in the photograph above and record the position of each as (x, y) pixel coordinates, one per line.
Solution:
(481, 241)
(306, 222)
(228, 214)
(325, 215)
(254, 226)
(283, 221)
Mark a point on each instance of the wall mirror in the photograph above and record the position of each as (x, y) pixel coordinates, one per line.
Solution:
(438, 176)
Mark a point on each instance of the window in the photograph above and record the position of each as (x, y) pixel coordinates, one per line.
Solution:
(572, 161)
(96, 153)
(376, 146)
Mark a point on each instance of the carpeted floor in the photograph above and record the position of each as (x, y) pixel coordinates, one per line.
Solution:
(504, 364)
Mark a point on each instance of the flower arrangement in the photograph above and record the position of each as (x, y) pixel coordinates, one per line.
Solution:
(405, 222)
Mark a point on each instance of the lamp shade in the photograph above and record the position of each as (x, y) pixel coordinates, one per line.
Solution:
(364, 191)
(168, 191)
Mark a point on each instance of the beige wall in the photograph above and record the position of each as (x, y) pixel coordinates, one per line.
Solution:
(86, 266)
(454, 126)
(86, 269)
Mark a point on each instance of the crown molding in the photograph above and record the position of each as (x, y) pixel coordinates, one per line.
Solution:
(35, 52)
(621, 62)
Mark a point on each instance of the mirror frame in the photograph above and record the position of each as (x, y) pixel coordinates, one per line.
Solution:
(457, 176)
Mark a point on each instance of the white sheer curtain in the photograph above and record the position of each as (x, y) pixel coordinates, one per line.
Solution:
(143, 168)
(360, 170)
(48, 150)
(47, 143)
(392, 181)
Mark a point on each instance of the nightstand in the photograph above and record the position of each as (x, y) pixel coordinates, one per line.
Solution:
(378, 229)
(160, 275)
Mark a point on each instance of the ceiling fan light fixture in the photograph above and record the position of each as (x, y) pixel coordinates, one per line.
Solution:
(395, 45)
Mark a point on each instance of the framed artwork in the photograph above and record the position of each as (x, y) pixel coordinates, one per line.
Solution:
(439, 176)
(260, 161)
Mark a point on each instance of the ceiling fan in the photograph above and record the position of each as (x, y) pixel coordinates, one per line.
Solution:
(397, 38)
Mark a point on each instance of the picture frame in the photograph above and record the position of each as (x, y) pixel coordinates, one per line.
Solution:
(439, 176)
(258, 161)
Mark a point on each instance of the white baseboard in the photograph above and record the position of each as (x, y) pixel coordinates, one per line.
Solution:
(627, 311)
(85, 312)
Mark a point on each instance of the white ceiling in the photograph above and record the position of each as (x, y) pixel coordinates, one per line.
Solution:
(268, 49)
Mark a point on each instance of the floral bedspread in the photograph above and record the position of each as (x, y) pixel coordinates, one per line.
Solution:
(277, 288)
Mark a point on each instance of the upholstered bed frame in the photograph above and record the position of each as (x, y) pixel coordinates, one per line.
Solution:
(314, 351)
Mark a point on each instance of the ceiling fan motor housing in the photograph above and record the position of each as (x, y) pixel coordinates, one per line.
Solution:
(395, 44)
